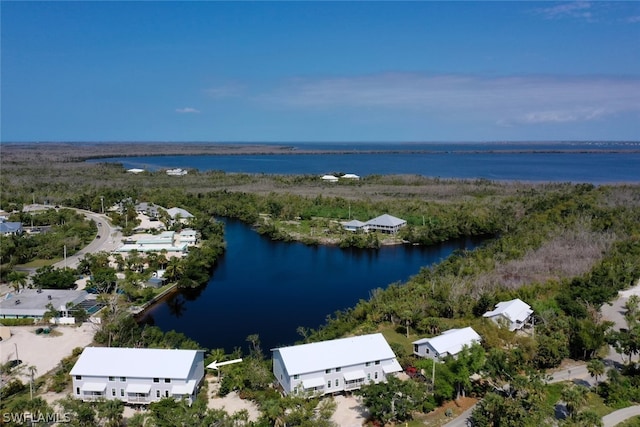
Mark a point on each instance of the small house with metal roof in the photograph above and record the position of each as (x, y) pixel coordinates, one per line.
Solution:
(449, 343)
(513, 314)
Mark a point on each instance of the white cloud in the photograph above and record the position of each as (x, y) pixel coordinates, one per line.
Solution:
(229, 90)
(574, 9)
(504, 100)
(187, 110)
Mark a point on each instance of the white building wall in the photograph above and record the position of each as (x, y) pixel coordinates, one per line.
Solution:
(333, 380)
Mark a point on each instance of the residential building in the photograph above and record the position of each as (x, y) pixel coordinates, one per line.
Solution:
(137, 375)
(155, 243)
(334, 366)
(513, 314)
(33, 303)
(355, 225)
(350, 176)
(386, 223)
(449, 343)
(10, 228)
(179, 214)
(329, 178)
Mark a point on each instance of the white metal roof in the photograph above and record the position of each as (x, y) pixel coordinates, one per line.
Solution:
(452, 341)
(329, 178)
(173, 212)
(386, 220)
(312, 357)
(134, 362)
(354, 223)
(515, 310)
(350, 176)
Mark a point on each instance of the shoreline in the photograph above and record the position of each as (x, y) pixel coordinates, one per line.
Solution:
(81, 152)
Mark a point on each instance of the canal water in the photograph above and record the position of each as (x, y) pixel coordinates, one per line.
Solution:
(270, 288)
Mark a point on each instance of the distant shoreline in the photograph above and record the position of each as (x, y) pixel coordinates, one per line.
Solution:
(79, 152)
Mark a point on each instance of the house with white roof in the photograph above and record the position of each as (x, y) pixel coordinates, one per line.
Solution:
(350, 176)
(137, 375)
(334, 366)
(329, 178)
(449, 343)
(513, 314)
(386, 223)
(155, 243)
(179, 214)
(355, 225)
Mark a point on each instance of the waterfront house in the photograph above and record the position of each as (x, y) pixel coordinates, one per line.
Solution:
(355, 225)
(155, 243)
(137, 375)
(513, 314)
(334, 366)
(449, 343)
(386, 223)
(179, 214)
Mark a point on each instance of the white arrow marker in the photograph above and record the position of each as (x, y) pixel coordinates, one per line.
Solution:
(216, 364)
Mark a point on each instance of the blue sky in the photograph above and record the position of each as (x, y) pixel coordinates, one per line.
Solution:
(320, 71)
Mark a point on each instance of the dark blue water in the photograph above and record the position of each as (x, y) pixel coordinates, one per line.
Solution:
(270, 288)
(595, 162)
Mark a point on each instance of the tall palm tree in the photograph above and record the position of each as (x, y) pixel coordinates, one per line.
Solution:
(596, 368)
(32, 372)
(17, 279)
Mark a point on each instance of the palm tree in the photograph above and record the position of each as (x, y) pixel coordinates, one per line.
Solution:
(32, 372)
(596, 368)
(574, 397)
(17, 279)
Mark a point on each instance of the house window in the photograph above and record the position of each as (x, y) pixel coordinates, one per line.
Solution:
(123, 379)
(337, 383)
(77, 390)
(167, 380)
(426, 351)
(166, 393)
(157, 393)
(338, 369)
(377, 362)
(416, 349)
(375, 375)
(122, 392)
(78, 377)
(369, 377)
(113, 392)
(328, 384)
(296, 376)
(367, 364)
(156, 380)
(327, 371)
(112, 378)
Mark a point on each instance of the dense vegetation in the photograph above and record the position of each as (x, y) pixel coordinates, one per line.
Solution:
(564, 248)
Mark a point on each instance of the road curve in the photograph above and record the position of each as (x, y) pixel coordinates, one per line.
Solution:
(616, 417)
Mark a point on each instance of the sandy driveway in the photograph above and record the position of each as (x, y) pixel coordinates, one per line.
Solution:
(44, 351)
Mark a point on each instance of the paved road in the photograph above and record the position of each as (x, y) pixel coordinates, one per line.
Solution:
(110, 238)
(616, 417)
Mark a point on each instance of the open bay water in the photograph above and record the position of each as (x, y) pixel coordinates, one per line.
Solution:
(270, 288)
(581, 162)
